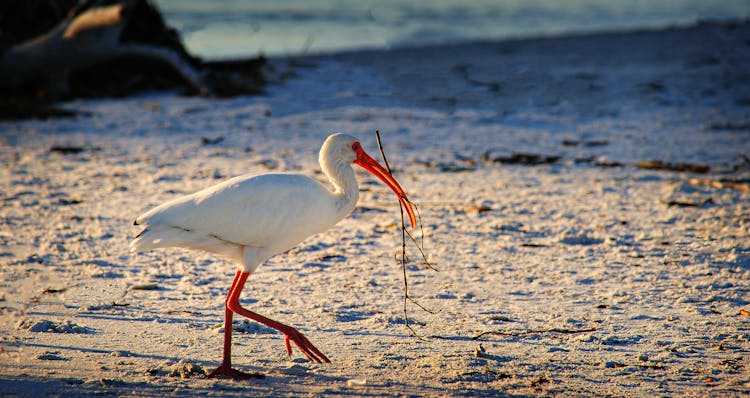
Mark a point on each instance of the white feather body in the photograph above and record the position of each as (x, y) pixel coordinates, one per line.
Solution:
(274, 212)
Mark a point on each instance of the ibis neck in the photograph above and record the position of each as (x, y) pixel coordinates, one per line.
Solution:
(342, 176)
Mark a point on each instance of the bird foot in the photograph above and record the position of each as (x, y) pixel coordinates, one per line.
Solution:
(292, 335)
(234, 374)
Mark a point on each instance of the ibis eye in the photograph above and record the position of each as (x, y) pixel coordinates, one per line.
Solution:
(355, 146)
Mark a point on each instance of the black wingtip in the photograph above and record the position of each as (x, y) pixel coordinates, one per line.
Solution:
(135, 222)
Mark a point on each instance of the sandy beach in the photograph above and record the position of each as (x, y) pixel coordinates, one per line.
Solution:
(585, 199)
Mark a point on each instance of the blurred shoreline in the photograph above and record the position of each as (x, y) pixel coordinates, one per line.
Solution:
(234, 28)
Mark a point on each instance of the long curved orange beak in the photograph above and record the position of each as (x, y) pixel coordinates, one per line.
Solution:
(366, 162)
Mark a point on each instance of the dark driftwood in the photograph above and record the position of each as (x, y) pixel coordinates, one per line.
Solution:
(55, 49)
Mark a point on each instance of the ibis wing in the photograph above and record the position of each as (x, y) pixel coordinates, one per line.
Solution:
(272, 210)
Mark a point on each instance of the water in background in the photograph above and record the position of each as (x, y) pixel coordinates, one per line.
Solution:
(230, 28)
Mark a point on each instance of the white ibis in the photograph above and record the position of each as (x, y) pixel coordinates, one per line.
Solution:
(248, 219)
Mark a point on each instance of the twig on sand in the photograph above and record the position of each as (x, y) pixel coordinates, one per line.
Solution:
(684, 167)
(553, 330)
(684, 203)
(404, 259)
(722, 183)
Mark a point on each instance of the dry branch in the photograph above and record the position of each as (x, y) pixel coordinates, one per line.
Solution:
(514, 334)
(404, 259)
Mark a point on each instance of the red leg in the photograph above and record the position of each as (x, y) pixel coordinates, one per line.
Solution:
(290, 333)
(226, 361)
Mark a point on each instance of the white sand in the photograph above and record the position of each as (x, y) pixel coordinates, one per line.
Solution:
(568, 246)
